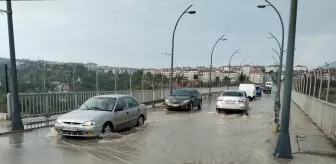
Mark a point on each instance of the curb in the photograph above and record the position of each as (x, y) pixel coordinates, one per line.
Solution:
(3, 116)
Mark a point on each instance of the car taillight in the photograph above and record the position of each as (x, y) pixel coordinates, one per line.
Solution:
(241, 100)
(220, 99)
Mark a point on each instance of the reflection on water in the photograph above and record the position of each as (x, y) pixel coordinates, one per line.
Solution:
(15, 151)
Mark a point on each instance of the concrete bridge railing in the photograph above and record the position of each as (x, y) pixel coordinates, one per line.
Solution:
(321, 112)
(47, 104)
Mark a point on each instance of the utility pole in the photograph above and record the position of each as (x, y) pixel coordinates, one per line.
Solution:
(16, 116)
(73, 79)
(44, 76)
(6, 74)
(97, 86)
(283, 147)
(115, 81)
(130, 82)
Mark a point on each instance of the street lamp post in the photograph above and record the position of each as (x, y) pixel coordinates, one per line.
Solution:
(241, 64)
(73, 78)
(277, 104)
(237, 51)
(16, 116)
(213, 48)
(278, 80)
(97, 83)
(172, 53)
(283, 146)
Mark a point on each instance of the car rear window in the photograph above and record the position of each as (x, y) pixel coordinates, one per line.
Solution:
(233, 94)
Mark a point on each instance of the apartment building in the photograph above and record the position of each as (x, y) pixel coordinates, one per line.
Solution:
(256, 76)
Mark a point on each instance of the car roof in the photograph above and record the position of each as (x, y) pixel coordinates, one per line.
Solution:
(113, 96)
(234, 91)
(187, 89)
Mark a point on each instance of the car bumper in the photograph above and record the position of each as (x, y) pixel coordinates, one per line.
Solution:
(177, 106)
(231, 106)
(78, 131)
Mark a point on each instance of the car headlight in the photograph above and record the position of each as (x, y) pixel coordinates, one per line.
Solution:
(89, 123)
(57, 121)
(185, 101)
(167, 101)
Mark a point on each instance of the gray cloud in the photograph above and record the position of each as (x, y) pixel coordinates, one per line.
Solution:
(135, 32)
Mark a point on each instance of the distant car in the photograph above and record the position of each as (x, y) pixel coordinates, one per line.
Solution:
(262, 87)
(250, 90)
(100, 115)
(186, 98)
(268, 88)
(232, 100)
(258, 91)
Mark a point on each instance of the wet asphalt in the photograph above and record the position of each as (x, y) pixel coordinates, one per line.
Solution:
(168, 137)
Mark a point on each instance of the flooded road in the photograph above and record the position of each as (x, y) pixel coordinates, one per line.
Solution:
(168, 137)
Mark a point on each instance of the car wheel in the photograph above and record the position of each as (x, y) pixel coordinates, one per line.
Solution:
(246, 112)
(200, 105)
(107, 128)
(191, 106)
(141, 120)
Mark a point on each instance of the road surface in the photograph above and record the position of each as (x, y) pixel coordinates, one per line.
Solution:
(168, 137)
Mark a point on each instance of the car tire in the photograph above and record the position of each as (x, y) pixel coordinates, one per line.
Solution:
(200, 105)
(246, 112)
(141, 120)
(107, 128)
(191, 106)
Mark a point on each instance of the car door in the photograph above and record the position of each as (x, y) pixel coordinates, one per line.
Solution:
(133, 109)
(121, 116)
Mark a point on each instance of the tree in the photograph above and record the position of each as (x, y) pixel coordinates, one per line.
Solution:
(241, 77)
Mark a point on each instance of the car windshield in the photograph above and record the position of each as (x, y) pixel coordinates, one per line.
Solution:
(257, 88)
(99, 103)
(233, 94)
(181, 93)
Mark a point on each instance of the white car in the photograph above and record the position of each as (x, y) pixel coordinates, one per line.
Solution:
(100, 115)
(232, 100)
(250, 90)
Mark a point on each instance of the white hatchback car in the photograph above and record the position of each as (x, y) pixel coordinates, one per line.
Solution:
(232, 100)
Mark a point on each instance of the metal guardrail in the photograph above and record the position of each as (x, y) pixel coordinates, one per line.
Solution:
(47, 104)
(321, 112)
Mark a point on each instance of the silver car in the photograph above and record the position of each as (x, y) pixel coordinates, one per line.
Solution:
(102, 114)
(232, 100)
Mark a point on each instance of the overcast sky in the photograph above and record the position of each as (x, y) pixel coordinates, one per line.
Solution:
(136, 33)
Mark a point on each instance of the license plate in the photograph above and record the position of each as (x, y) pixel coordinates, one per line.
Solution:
(175, 105)
(230, 102)
(69, 129)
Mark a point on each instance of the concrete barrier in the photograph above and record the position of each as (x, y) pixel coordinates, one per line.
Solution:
(322, 113)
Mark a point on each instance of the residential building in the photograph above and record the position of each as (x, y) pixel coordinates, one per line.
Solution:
(270, 68)
(246, 69)
(256, 76)
(205, 76)
(91, 66)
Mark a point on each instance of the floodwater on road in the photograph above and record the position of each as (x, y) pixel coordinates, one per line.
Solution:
(168, 137)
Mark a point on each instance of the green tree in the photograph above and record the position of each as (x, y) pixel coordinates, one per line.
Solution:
(241, 77)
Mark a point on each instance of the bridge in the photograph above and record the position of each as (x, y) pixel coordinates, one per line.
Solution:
(187, 133)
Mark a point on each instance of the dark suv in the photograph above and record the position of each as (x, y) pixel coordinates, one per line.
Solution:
(187, 98)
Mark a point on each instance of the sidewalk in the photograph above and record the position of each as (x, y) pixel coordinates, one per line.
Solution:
(309, 145)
